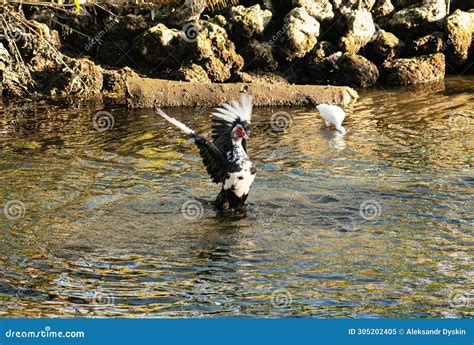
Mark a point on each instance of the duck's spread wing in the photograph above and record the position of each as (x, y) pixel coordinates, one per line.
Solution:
(227, 117)
(215, 154)
(214, 159)
(212, 156)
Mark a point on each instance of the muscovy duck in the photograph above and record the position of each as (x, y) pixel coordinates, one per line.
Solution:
(332, 115)
(225, 158)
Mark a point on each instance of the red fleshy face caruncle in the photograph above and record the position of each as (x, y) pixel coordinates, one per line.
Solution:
(240, 133)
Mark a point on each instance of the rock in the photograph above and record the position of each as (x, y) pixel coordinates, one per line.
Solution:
(115, 80)
(321, 10)
(214, 52)
(267, 5)
(219, 20)
(355, 70)
(162, 46)
(294, 72)
(31, 48)
(12, 81)
(126, 27)
(260, 77)
(189, 11)
(323, 50)
(52, 36)
(192, 73)
(300, 33)
(321, 61)
(382, 9)
(400, 4)
(470, 67)
(248, 22)
(464, 5)
(111, 53)
(421, 69)
(384, 46)
(348, 6)
(459, 28)
(82, 77)
(429, 44)
(259, 55)
(89, 74)
(414, 22)
(360, 30)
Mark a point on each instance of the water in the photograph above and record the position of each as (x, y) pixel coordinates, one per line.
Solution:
(378, 223)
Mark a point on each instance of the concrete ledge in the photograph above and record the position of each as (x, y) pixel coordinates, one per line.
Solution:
(143, 92)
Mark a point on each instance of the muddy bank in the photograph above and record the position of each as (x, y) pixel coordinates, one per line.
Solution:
(57, 51)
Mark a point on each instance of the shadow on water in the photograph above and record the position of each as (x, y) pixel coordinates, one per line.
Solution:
(375, 223)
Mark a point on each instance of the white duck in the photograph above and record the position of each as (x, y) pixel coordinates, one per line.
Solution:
(332, 115)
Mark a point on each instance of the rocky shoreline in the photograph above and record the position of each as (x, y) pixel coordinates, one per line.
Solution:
(55, 51)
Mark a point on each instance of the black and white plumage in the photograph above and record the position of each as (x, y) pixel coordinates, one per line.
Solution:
(225, 158)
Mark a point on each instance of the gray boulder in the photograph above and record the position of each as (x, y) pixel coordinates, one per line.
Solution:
(421, 69)
(299, 35)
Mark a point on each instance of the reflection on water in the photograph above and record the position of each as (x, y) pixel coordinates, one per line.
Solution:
(376, 223)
